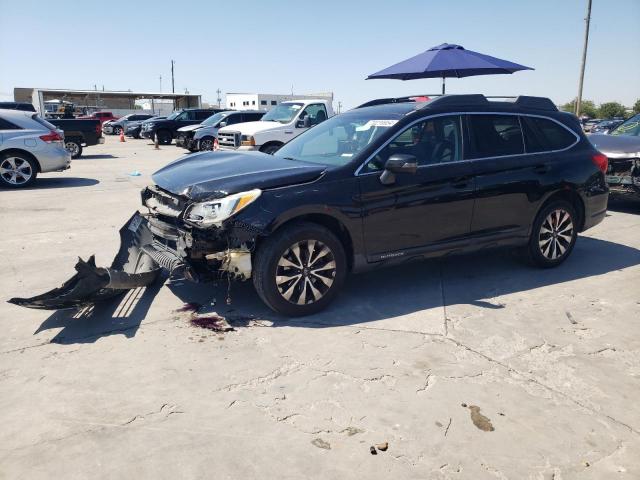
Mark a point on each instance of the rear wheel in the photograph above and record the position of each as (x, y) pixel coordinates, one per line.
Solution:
(554, 234)
(164, 137)
(17, 170)
(299, 270)
(73, 146)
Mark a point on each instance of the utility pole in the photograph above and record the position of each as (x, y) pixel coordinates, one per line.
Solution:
(584, 57)
(339, 107)
(173, 87)
(160, 83)
(218, 91)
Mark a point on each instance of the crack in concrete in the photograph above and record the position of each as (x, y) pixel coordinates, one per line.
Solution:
(170, 410)
(284, 370)
(427, 384)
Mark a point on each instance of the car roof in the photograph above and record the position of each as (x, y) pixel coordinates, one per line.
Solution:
(13, 113)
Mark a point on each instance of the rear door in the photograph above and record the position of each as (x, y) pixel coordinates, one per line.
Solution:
(422, 210)
(509, 181)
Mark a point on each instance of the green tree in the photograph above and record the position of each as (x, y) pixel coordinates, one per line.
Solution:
(612, 109)
(587, 107)
(636, 106)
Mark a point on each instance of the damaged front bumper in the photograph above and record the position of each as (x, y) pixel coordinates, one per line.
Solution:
(623, 177)
(149, 244)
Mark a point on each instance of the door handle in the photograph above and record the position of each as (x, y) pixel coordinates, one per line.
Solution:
(541, 168)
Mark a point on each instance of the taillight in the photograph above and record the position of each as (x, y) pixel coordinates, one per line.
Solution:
(99, 129)
(52, 136)
(601, 161)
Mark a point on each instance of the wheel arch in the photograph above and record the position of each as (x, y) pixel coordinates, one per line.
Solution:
(26, 153)
(331, 223)
(271, 143)
(570, 195)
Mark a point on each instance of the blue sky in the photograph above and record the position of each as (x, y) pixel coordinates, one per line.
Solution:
(270, 46)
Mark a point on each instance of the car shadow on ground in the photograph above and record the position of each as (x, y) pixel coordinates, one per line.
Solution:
(368, 297)
(96, 157)
(121, 315)
(420, 286)
(58, 182)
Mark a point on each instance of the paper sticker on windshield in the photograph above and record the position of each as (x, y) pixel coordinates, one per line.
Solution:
(296, 107)
(376, 123)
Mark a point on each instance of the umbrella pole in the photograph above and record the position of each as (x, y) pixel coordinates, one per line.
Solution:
(443, 84)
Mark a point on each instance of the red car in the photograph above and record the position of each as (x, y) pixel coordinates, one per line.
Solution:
(102, 116)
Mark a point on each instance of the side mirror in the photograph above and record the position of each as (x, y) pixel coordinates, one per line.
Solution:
(222, 124)
(304, 123)
(398, 163)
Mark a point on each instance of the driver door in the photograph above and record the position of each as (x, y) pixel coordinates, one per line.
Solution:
(418, 210)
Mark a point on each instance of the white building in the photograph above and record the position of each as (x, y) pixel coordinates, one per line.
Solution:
(266, 101)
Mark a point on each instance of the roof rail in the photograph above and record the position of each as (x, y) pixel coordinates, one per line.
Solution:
(523, 101)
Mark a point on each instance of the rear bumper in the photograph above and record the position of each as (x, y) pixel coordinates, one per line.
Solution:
(595, 209)
(53, 159)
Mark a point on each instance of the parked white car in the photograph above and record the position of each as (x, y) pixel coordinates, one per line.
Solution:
(277, 127)
(29, 145)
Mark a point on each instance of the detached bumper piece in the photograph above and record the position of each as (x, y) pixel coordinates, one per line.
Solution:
(134, 266)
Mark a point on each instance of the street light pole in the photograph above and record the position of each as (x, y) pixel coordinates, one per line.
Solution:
(584, 57)
(173, 87)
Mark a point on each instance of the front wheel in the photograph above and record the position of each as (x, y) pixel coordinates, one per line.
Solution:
(206, 143)
(299, 270)
(553, 235)
(271, 148)
(117, 130)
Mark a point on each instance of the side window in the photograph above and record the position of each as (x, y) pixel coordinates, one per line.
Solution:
(543, 135)
(203, 115)
(495, 135)
(316, 112)
(231, 119)
(432, 141)
(7, 125)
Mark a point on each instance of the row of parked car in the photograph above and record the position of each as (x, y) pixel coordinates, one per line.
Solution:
(198, 129)
(598, 125)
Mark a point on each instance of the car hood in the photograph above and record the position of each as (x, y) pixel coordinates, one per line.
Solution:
(250, 128)
(616, 146)
(215, 174)
(189, 128)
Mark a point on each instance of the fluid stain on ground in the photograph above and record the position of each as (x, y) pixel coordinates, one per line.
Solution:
(318, 442)
(479, 420)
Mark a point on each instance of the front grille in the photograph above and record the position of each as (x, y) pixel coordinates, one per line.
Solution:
(229, 139)
(162, 202)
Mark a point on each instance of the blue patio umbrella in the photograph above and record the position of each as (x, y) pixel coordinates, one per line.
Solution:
(447, 60)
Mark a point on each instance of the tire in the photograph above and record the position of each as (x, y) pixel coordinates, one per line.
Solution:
(17, 170)
(553, 235)
(116, 130)
(271, 148)
(164, 137)
(277, 258)
(205, 144)
(73, 146)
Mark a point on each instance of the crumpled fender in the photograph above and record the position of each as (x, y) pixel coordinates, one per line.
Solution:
(131, 268)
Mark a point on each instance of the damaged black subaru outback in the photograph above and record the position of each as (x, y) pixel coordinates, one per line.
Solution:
(391, 181)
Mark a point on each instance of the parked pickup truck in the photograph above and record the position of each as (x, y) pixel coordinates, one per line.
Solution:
(277, 127)
(102, 116)
(79, 133)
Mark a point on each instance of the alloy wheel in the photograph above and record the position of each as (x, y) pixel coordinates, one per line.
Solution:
(72, 148)
(556, 234)
(305, 272)
(15, 170)
(206, 144)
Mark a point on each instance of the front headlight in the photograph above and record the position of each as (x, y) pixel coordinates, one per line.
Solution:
(214, 212)
(248, 141)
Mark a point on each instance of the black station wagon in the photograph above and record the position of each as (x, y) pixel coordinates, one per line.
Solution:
(388, 182)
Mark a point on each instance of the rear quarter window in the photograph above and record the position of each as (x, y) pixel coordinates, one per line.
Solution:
(495, 135)
(544, 135)
(43, 122)
(7, 125)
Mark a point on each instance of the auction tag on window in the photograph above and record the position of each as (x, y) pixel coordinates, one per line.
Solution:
(376, 123)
